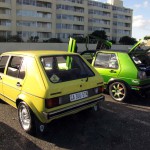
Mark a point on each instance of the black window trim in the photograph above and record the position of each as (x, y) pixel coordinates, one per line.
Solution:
(44, 56)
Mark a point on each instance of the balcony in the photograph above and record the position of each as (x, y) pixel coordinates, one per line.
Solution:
(5, 4)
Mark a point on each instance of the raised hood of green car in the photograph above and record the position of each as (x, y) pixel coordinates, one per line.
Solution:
(142, 46)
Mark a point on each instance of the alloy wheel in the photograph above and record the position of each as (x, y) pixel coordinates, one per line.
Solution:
(24, 117)
(118, 91)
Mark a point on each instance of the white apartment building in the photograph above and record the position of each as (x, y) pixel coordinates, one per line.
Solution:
(64, 18)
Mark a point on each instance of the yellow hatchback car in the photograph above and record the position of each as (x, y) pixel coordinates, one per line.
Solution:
(46, 85)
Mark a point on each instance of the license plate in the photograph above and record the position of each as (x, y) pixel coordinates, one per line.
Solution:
(78, 96)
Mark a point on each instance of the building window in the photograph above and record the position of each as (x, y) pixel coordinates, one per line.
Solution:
(44, 15)
(44, 35)
(75, 1)
(4, 22)
(98, 12)
(5, 1)
(70, 8)
(26, 23)
(31, 13)
(100, 21)
(64, 26)
(78, 27)
(5, 33)
(70, 17)
(28, 13)
(119, 31)
(94, 28)
(5, 11)
(44, 25)
(98, 4)
(62, 35)
(35, 3)
(123, 17)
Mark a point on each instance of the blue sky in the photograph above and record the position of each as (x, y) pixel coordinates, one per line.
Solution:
(141, 17)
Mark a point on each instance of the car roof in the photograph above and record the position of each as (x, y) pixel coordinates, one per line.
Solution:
(34, 53)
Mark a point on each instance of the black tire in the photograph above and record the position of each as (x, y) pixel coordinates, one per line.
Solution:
(118, 91)
(26, 118)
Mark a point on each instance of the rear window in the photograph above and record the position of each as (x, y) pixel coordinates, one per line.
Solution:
(65, 68)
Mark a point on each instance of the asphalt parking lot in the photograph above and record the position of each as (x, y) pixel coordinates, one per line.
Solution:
(116, 126)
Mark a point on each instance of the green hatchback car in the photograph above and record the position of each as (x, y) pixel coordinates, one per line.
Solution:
(123, 72)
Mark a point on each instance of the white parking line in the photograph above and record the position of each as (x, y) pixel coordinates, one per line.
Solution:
(142, 122)
(106, 109)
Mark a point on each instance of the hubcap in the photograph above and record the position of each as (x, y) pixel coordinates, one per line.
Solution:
(25, 118)
(118, 91)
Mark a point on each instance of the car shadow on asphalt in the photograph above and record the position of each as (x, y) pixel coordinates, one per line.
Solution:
(135, 99)
(73, 132)
(10, 139)
(138, 100)
(2, 102)
(104, 129)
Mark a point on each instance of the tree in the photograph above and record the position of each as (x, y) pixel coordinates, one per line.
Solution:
(113, 41)
(14, 38)
(99, 37)
(53, 40)
(146, 37)
(36, 38)
(3, 39)
(126, 40)
(99, 34)
(31, 39)
(80, 39)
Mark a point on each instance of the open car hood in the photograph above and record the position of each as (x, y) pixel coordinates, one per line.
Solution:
(141, 47)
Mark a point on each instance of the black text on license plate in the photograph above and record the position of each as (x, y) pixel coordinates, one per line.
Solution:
(77, 96)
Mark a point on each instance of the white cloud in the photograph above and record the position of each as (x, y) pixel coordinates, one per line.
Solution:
(145, 4)
(141, 22)
(137, 5)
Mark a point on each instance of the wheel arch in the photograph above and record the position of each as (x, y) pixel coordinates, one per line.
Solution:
(112, 80)
(23, 98)
(120, 94)
(18, 101)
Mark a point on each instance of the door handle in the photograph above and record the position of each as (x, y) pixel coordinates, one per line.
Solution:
(0, 78)
(112, 71)
(18, 84)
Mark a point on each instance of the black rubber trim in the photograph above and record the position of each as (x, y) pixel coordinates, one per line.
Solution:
(143, 87)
